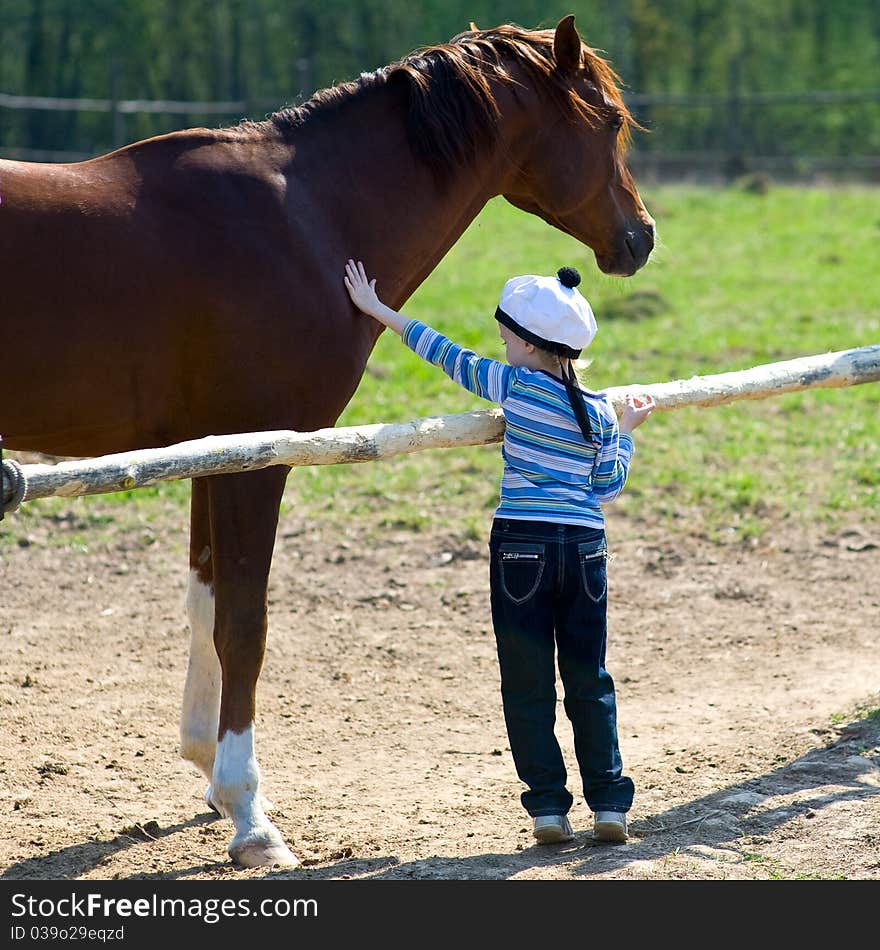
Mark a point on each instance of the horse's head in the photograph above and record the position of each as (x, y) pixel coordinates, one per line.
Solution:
(534, 115)
(571, 168)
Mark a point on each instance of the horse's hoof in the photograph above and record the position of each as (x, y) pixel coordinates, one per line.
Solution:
(209, 801)
(262, 849)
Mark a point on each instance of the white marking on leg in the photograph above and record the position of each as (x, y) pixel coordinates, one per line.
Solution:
(236, 793)
(236, 780)
(201, 694)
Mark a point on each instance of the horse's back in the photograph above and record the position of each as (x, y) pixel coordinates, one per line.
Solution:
(158, 293)
(149, 195)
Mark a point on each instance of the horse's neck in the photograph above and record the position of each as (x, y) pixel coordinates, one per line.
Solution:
(385, 204)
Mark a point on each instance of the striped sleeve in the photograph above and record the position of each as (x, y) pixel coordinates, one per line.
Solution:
(611, 465)
(488, 379)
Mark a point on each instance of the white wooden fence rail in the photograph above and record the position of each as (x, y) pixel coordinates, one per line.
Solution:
(216, 455)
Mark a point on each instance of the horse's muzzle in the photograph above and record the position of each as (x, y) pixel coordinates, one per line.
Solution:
(632, 251)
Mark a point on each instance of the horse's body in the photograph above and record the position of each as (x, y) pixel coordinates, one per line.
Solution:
(191, 284)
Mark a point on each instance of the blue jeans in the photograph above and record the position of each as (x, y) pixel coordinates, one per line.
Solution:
(548, 592)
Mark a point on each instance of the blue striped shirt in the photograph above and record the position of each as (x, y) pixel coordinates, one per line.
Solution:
(550, 472)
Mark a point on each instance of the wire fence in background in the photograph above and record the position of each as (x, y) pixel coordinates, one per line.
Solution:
(798, 136)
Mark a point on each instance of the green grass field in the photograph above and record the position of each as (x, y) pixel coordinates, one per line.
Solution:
(737, 279)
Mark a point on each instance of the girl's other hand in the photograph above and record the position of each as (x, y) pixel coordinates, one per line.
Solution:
(636, 411)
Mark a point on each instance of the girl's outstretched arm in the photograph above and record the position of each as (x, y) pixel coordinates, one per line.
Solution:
(362, 291)
(486, 378)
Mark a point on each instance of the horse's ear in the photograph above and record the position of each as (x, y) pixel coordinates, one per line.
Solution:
(474, 27)
(567, 45)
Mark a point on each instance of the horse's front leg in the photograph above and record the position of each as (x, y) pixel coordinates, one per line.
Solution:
(243, 515)
(201, 695)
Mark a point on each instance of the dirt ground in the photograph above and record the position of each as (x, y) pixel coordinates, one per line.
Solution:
(747, 680)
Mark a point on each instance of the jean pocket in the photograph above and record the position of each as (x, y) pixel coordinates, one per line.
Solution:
(592, 560)
(521, 567)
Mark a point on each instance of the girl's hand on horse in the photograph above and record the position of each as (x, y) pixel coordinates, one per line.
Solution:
(361, 290)
(636, 411)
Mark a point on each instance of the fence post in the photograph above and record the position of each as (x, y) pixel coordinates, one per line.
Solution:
(734, 163)
(117, 116)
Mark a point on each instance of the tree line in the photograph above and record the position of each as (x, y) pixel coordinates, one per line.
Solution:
(712, 57)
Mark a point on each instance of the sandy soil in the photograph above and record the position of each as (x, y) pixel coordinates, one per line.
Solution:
(746, 680)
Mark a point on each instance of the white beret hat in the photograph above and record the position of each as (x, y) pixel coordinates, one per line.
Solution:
(549, 312)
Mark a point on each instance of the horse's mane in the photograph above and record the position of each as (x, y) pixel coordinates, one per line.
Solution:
(452, 111)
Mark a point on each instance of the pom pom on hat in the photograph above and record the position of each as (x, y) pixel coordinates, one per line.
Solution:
(568, 277)
(548, 312)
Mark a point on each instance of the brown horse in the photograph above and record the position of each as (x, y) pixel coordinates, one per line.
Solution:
(191, 284)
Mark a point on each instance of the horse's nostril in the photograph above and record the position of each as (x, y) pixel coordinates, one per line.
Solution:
(639, 242)
(642, 238)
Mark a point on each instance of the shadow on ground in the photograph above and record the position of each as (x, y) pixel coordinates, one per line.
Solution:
(726, 819)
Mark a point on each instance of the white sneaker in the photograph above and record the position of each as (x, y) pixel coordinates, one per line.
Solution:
(610, 826)
(552, 829)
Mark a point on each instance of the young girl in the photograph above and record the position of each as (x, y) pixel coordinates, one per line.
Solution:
(564, 454)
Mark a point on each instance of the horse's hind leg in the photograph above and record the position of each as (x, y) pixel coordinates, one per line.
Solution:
(201, 696)
(243, 517)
